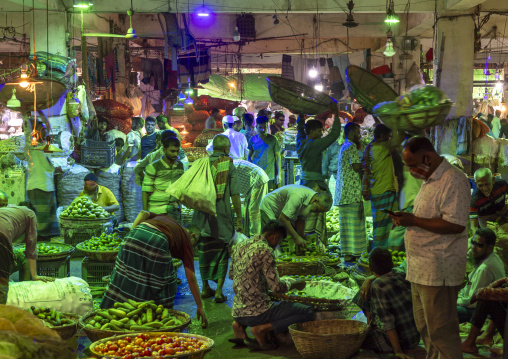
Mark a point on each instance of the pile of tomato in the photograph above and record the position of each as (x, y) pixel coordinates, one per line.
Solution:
(145, 346)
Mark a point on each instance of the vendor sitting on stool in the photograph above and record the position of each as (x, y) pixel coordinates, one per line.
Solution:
(100, 195)
(254, 272)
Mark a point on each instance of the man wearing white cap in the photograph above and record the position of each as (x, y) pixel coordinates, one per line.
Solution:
(239, 145)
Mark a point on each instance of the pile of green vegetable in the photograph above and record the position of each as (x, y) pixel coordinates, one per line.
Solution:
(106, 242)
(83, 207)
(397, 257)
(134, 316)
(50, 316)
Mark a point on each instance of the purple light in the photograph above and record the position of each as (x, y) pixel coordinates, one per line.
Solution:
(203, 12)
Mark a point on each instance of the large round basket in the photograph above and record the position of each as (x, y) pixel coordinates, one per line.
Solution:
(67, 331)
(76, 230)
(367, 88)
(319, 304)
(416, 119)
(97, 334)
(65, 251)
(298, 97)
(328, 339)
(301, 268)
(98, 256)
(199, 354)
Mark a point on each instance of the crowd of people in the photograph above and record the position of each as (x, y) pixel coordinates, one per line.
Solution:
(420, 203)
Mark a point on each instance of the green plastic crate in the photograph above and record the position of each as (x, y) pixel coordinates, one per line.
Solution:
(56, 269)
(92, 272)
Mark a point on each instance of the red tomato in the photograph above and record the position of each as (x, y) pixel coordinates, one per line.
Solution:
(129, 347)
(138, 341)
(128, 339)
(160, 341)
(156, 347)
(170, 351)
(151, 342)
(113, 347)
(147, 353)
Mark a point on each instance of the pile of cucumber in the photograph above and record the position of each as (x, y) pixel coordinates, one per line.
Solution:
(134, 316)
(50, 316)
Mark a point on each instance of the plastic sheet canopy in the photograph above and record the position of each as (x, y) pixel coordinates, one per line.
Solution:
(253, 87)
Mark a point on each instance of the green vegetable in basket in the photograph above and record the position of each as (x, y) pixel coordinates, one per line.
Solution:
(390, 107)
(84, 208)
(106, 242)
(134, 316)
(51, 317)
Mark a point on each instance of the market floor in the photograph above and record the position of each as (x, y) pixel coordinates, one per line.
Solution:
(219, 328)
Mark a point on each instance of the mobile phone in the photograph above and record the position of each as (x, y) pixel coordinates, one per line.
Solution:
(388, 212)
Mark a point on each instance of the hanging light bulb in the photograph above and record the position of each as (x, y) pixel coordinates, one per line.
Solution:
(318, 87)
(496, 75)
(82, 4)
(275, 18)
(499, 85)
(313, 72)
(236, 34)
(389, 50)
(391, 16)
(24, 83)
(13, 102)
(188, 100)
(488, 56)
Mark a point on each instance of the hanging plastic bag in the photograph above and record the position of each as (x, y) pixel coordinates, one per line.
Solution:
(196, 188)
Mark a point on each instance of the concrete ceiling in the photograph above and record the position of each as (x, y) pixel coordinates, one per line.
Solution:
(306, 27)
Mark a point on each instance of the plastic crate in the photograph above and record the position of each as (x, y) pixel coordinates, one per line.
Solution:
(55, 269)
(98, 153)
(92, 272)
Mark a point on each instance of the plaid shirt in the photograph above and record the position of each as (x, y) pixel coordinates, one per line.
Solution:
(254, 272)
(392, 307)
(250, 176)
(482, 205)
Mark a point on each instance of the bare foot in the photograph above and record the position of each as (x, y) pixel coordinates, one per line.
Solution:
(470, 348)
(239, 330)
(260, 332)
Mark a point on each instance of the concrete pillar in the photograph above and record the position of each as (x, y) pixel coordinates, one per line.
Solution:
(402, 64)
(49, 38)
(456, 38)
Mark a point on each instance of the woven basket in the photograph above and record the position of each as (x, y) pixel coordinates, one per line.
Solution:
(301, 268)
(97, 334)
(367, 88)
(99, 256)
(199, 354)
(416, 119)
(328, 339)
(66, 249)
(319, 304)
(298, 97)
(67, 331)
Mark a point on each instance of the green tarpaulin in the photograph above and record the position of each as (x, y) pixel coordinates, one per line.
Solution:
(253, 87)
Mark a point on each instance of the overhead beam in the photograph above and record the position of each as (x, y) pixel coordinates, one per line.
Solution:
(461, 5)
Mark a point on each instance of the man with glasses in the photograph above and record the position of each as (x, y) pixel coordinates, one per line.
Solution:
(488, 269)
(278, 124)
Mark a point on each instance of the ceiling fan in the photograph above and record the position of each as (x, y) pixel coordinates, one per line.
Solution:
(350, 20)
(131, 34)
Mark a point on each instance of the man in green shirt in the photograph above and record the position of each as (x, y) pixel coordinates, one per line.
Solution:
(159, 175)
(380, 184)
(310, 145)
(165, 124)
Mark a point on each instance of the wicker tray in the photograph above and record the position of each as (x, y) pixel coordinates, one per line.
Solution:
(66, 250)
(97, 334)
(329, 339)
(98, 256)
(319, 304)
(367, 88)
(298, 97)
(67, 331)
(196, 355)
(417, 119)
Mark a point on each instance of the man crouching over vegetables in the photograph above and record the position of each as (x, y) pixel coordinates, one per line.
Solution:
(254, 272)
(144, 268)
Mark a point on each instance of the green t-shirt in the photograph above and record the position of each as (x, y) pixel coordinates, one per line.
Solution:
(382, 178)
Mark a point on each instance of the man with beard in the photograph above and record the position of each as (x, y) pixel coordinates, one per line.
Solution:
(488, 269)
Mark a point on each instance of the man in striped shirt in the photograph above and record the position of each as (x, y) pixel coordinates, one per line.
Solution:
(159, 175)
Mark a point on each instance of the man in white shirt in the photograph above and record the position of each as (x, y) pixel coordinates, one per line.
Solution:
(239, 145)
(210, 121)
(134, 139)
(436, 243)
(291, 205)
(488, 268)
(495, 125)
